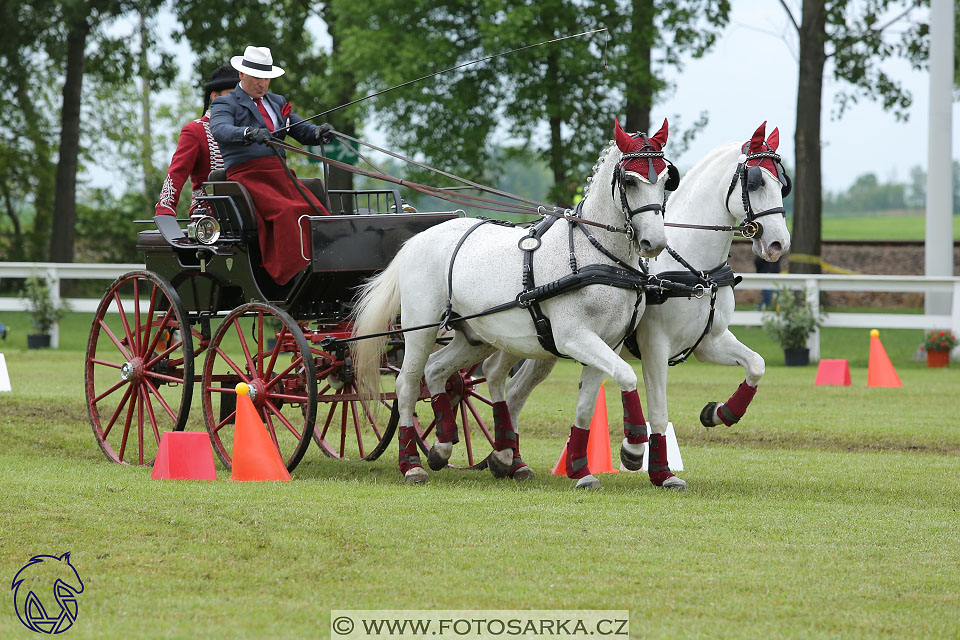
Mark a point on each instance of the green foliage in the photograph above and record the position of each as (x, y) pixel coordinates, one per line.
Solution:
(939, 341)
(790, 320)
(43, 312)
(105, 228)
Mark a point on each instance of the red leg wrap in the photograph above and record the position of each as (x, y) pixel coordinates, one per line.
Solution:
(634, 424)
(577, 453)
(733, 409)
(659, 468)
(504, 435)
(446, 428)
(409, 456)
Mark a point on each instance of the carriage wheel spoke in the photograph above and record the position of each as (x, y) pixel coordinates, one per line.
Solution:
(124, 321)
(343, 426)
(269, 422)
(477, 418)
(356, 427)
(123, 350)
(116, 412)
(273, 380)
(225, 421)
(140, 393)
(106, 363)
(232, 365)
(126, 426)
(109, 391)
(136, 315)
(283, 419)
(164, 377)
(260, 344)
(252, 368)
(152, 416)
(163, 403)
(466, 433)
(366, 410)
(275, 353)
(163, 325)
(148, 322)
(156, 358)
(326, 424)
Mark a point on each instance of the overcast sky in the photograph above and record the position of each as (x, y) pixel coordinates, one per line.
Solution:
(750, 75)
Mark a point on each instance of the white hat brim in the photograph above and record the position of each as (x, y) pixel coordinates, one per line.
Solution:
(237, 63)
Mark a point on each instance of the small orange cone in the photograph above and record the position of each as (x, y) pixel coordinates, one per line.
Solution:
(598, 445)
(255, 458)
(880, 371)
(833, 372)
(184, 455)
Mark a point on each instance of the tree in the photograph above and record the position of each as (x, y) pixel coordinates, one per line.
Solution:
(853, 36)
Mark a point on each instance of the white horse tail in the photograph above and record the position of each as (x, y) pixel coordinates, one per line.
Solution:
(376, 307)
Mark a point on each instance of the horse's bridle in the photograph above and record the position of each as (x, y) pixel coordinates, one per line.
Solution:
(750, 179)
(619, 180)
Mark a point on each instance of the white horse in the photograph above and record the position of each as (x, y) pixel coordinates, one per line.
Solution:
(466, 268)
(734, 186)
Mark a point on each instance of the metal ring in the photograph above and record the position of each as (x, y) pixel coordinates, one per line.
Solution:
(700, 291)
(749, 229)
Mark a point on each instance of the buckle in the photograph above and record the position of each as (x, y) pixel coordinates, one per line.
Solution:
(749, 229)
(699, 291)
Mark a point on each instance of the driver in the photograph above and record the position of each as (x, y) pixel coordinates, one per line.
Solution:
(250, 115)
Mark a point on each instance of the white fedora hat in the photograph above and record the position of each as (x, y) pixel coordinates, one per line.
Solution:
(257, 62)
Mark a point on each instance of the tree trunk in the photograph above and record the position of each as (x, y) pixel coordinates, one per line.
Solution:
(65, 198)
(146, 137)
(639, 88)
(346, 87)
(16, 250)
(808, 199)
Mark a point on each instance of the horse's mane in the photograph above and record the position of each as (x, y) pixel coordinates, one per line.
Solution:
(596, 167)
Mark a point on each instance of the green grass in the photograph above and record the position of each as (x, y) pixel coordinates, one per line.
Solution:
(827, 512)
(879, 227)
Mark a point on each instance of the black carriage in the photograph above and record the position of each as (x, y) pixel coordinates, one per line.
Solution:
(204, 295)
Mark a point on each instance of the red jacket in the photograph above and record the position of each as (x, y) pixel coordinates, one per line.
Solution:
(197, 154)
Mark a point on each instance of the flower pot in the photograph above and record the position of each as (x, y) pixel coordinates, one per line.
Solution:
(938, 358)
(38, 341)
(796, 357)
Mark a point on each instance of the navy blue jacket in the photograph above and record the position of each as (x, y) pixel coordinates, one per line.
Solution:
(231, 114)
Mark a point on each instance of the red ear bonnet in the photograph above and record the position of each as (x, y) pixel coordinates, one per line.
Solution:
(649, 168)
(757, 145)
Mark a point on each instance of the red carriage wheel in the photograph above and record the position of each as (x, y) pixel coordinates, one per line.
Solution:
(474, 413)
(138, 376)
(348, 428)
(261, 345)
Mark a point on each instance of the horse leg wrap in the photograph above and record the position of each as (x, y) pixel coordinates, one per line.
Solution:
(505, 437)
(733, 409)
(576, 462)
(446, 420)
(634, 424)
(659, 468)
(409, 456)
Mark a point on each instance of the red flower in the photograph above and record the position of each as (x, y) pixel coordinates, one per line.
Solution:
(285, 110)
(942, 333)
(943, 344)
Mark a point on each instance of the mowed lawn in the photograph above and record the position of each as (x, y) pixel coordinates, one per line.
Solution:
(827, 512)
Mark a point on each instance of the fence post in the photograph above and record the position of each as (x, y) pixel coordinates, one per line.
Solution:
(53, 278)
(813, 299)
(955, 318)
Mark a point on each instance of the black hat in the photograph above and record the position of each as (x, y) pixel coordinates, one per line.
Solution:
(222, 78)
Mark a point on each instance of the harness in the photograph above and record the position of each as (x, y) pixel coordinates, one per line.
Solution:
(751, 178)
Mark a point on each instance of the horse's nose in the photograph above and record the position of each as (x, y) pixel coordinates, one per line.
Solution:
(773, 251)
(645, 246)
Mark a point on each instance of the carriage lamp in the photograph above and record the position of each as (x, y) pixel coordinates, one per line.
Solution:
(204, 229)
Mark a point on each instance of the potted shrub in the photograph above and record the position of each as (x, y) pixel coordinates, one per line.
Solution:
(43, 313)
(938, 345)
(790, 320)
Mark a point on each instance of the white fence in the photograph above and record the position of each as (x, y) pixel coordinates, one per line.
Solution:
(815, 283)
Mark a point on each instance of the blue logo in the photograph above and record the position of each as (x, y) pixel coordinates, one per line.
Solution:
(45, 593)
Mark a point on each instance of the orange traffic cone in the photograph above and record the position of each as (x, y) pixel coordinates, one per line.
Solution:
(880, 371)
(255, 458)
(598, 445)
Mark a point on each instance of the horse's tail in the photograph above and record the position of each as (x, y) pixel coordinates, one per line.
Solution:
(376, 306)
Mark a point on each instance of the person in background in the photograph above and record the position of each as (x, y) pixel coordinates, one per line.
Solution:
(251, 115)
(762, 266)
(197, 152)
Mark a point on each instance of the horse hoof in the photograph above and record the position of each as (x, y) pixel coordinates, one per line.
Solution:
(674, 483)
(500, 463)
(439, 455)
(631, 460)
(416, 475)
(708, 415)
(522, 474)
(588, 482)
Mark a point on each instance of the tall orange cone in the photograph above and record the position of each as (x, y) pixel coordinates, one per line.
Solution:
(255, 458)
(598, 445)
(880, 371)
